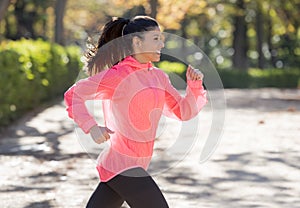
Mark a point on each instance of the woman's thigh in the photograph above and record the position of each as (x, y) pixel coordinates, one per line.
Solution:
(138, 189)
(105, 197)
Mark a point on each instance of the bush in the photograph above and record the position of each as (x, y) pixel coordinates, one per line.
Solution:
(253, 78)
(176, 72)
(174, 67)
(33, 72)
(257, 78)
(235, 79)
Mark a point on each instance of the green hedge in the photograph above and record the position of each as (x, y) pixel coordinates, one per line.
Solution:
(33, 72)
(174, 67)
(256, 78)
(253, 78)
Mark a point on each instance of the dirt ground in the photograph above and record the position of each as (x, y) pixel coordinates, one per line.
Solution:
(44, 163)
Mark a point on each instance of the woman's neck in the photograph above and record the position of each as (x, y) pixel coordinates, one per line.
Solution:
(140, 58)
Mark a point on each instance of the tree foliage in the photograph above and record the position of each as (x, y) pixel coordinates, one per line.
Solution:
(234, 33)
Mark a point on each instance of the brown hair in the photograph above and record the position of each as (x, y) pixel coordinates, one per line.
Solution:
(107, 53)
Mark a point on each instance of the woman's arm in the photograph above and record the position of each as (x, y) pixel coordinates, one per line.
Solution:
(185, 108)
(100, 86)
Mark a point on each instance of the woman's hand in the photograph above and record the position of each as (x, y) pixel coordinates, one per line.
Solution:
(100, 134)
(193, 74)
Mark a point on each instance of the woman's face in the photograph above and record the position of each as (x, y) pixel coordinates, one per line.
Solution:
(149, 47)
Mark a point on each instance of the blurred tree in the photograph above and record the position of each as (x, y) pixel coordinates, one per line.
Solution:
(153, 7)
(84, 19)
(267, 31)
(239, 33)
(169, 13)
(136, 10)
(59, 19)
(3, 8)
(259, 26)
(276, 28)
(269, 36)
(26, 18)
(240, 41)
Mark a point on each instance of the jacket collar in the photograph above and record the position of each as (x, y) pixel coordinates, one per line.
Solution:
(135, 65)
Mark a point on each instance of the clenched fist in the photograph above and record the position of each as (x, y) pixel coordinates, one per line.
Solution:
(193, 74)
(100, 134)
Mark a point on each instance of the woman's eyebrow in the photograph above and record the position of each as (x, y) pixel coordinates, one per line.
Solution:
(156, 35)
(159, 36)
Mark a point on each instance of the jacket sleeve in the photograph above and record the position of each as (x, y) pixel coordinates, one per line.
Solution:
(100, 86)
(187, 107)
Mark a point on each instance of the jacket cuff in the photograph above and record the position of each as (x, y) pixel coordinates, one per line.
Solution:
(88, 125)
(195, 84)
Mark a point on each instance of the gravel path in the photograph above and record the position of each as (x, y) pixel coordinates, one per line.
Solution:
(256, 163)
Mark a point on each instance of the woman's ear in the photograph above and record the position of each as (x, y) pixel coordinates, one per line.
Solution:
(136, 44)
(136, 41)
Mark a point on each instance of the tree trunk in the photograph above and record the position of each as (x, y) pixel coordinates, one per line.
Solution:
(272, 50)
(184, 48)
(153, 6)
(59, 16)
(240, 43)
(260, 38)
(25, 20)
(7, 32)
(3, 8)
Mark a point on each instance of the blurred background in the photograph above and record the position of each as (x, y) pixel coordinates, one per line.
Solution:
(255, 48)
(252, 43)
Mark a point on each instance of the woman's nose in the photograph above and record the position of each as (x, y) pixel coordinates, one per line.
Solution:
(162, 44)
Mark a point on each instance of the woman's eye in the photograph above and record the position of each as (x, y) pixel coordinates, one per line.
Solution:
(159, 38)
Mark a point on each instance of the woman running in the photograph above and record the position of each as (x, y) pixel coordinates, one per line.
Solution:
(134, 94)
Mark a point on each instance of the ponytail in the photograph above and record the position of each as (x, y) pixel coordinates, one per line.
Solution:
(107, 53)
(99, 57)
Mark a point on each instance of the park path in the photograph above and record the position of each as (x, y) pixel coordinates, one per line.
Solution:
(255, 165)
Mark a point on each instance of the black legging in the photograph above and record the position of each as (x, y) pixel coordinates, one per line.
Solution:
(134, 186)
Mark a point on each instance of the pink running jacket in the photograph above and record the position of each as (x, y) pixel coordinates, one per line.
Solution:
(134, 97)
